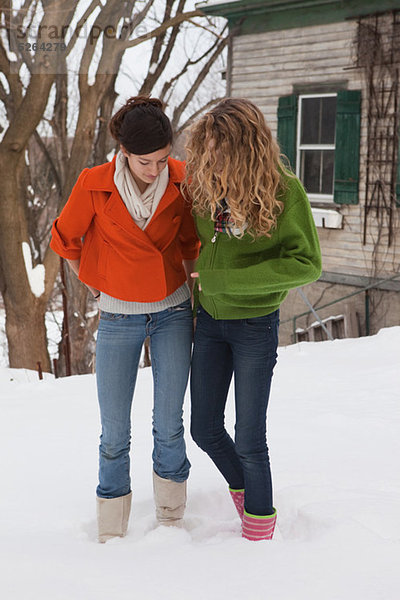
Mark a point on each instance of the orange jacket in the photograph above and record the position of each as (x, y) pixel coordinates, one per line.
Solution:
(116, 256)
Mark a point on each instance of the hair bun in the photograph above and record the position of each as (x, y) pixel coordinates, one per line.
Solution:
(131, 104)
(141, 125)
(143, 100)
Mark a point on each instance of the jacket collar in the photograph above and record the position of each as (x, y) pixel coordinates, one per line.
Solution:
(101, 178)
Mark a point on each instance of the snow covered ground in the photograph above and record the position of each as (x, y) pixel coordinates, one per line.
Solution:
(335, 448)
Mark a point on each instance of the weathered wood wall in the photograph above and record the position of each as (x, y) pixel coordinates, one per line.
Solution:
(268, 65)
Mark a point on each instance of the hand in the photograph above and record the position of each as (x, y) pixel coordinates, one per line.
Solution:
(95, 293)
(195, 276)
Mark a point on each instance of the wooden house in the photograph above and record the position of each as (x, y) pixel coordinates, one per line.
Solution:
(326, 74)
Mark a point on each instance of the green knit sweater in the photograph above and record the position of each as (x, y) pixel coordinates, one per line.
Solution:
(250, 277)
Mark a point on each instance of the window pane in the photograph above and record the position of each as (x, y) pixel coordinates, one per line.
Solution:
(318, 117)
(328, 118)
(316, 171)
(310, 163)
(328, 161)
(310, 109)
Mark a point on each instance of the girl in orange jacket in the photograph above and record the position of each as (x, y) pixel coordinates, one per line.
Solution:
(129, 235)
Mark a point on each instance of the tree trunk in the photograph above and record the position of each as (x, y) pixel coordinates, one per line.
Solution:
(25, 313)
(25, 104)
(26, 332)
(81, 328)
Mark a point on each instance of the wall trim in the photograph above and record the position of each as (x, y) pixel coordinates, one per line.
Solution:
(362, 281)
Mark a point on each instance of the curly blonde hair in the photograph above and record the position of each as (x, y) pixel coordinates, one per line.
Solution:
(231, 154)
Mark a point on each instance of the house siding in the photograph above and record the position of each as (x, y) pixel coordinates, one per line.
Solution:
(271, 64)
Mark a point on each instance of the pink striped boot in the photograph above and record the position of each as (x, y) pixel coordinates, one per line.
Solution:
(238, 500)
(256, 528)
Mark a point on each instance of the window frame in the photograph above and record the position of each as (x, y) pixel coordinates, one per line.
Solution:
(314, 198)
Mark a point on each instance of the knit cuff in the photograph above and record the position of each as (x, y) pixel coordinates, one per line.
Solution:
(212, 282)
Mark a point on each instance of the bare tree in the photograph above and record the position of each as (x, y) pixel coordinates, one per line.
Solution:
(59, 63)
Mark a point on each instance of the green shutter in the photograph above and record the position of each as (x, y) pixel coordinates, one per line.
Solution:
(347, 147)
(287, 127)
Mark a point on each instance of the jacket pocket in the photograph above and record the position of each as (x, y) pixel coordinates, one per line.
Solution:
(102, 261)
(172, 233)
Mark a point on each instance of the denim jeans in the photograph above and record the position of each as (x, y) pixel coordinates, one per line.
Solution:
(247, 348)
(119, 344)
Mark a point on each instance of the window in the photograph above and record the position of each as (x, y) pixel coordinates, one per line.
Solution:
(320, 136)
(316, 145)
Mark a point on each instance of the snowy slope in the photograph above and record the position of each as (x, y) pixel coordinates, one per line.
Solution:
(335, 448)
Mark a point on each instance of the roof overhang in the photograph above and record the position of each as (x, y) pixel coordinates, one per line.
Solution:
(263, 15)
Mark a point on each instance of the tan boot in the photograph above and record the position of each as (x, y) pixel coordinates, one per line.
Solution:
(113, 516)
(170, 500)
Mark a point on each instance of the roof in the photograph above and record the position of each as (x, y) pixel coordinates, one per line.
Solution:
(262, 15)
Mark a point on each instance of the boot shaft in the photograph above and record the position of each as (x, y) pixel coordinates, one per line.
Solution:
(113, 516)
(238, 500)
(257, 528)
(170, 500)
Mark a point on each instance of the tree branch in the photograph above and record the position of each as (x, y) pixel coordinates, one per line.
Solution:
(103, 20)
(50, 161)
(82, 21)
(4, 96)
(59, 121)
(199, 80)
(17, 25)
(189, 63)
(177, 20)
(152, 76)
(208, 29)
(135, 22)
(31, 108)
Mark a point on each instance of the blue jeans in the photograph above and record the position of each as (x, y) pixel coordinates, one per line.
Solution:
(119, 344)
(247, 348)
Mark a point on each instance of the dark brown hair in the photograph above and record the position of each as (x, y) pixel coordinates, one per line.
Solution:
(141, 126)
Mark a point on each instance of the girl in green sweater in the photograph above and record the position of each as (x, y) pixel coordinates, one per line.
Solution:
(258, 240)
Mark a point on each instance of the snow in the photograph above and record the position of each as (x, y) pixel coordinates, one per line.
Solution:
(335, 449)
(35, 274)
(152, 68)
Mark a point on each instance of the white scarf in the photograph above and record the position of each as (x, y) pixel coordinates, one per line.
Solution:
(141, 206)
